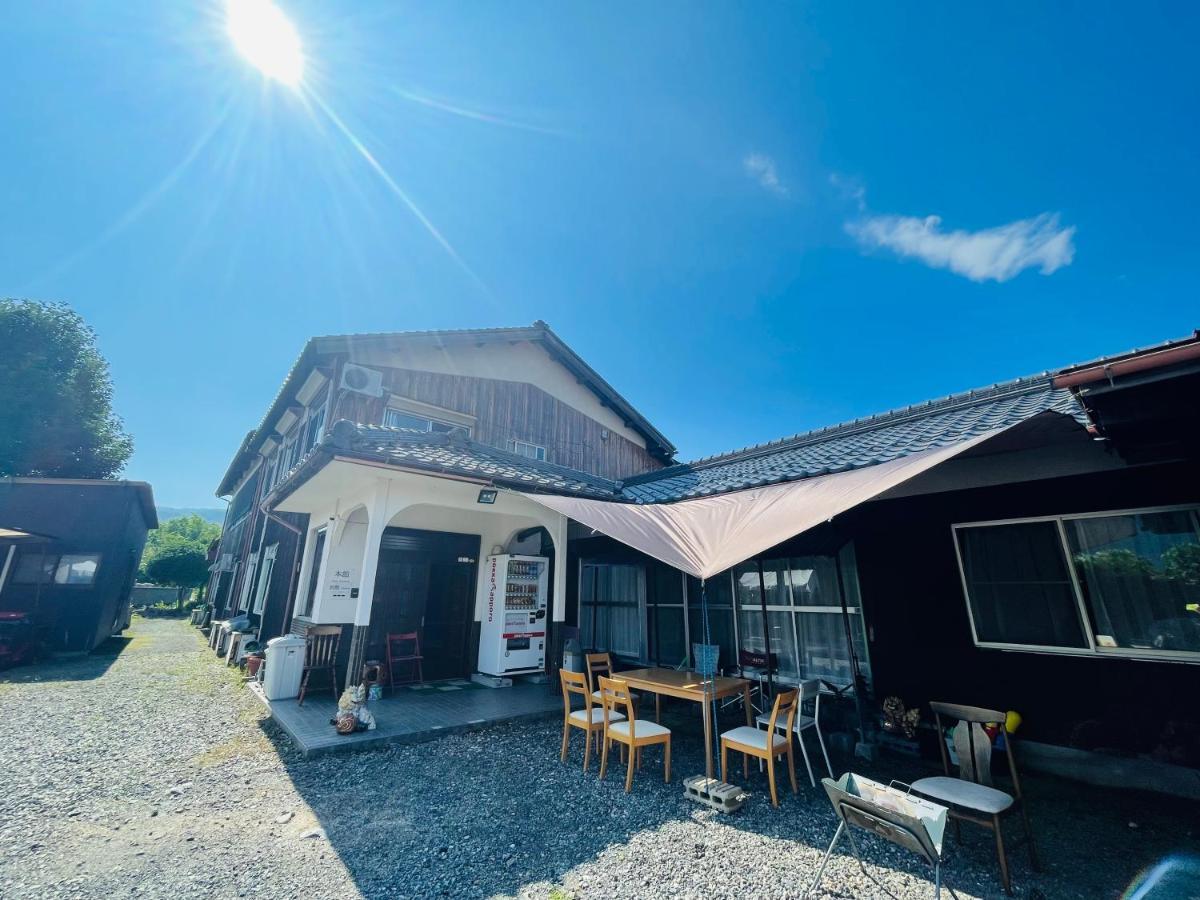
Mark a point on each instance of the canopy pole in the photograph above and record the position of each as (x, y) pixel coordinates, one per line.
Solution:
(710, 698)
(762, 597)
(855, 671)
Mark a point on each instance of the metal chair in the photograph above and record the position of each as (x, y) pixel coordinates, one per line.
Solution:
(320, 655)
(969, 796)
(808, 690)
(759, 668)
(405, 648)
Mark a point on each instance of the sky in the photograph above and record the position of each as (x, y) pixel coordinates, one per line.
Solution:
(752, 219)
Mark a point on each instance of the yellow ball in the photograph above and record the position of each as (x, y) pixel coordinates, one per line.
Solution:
(1012, 721)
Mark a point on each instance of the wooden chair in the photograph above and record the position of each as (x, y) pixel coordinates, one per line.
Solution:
(808, 690)
(590, 719)
(628, 730)
(766, 745)
(597, 664)
(967, 796)
(405, 648)
(320, 655)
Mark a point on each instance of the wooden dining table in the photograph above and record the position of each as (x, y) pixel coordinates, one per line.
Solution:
(692, 686)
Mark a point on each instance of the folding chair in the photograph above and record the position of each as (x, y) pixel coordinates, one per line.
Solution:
(405, 648)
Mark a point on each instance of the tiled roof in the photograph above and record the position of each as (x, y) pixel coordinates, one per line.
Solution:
(456, 454)
(853, 445)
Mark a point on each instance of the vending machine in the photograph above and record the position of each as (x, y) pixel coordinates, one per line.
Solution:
(512, 637)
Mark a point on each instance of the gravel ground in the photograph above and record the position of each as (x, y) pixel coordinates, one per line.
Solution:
(152, 772)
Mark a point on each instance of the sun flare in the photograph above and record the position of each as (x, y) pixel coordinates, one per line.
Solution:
(266, 38)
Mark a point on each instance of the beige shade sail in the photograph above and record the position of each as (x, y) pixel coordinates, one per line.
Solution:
(711, 534)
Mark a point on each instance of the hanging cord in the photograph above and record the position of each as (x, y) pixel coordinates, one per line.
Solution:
(710, 681)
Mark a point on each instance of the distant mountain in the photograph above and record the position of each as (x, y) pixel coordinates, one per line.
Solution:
(174, 512)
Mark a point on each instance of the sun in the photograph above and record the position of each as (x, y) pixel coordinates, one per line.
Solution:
(266, 38)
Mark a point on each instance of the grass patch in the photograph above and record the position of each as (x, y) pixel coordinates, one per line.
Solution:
(233, 749)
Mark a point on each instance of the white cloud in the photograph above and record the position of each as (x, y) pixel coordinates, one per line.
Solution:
(998, 253)
(762, 169)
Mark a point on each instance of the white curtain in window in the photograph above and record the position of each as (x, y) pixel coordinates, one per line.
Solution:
(611, 609)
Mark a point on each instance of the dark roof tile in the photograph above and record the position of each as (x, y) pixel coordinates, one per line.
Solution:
(853, 445)
(456, 454)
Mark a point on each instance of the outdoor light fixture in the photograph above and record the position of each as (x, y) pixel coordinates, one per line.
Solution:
(487, 496)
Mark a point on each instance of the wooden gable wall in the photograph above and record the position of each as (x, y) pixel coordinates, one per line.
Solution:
(508, 410)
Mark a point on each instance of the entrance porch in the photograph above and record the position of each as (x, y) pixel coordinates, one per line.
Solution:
(412, 715)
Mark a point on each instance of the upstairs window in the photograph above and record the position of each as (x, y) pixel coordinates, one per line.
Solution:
(524, 448)
(314, 427)
(1122, 584)
(398, 418)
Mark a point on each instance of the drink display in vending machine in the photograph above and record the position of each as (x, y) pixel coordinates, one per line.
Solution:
(512, 637)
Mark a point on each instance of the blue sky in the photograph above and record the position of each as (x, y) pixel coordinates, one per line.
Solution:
(725, 209)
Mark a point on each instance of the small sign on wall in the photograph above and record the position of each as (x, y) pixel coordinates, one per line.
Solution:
(341, 584)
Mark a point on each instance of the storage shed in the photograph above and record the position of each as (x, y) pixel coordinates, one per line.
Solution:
(69, 554)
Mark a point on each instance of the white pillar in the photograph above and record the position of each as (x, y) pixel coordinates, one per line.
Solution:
(378, 517)
(376, 522)
(558, 533)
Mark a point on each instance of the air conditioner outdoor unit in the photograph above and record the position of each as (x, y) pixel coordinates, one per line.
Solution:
(362, 380)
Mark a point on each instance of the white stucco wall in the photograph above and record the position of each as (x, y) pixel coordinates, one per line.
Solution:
(356, 502)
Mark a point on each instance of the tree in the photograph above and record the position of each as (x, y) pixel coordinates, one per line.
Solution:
(56, 417)
(174, 535)
(180, 565)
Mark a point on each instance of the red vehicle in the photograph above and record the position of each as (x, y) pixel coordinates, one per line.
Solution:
(18, 641)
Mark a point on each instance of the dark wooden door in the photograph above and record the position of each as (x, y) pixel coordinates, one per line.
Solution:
(426, 583)
(448, 615)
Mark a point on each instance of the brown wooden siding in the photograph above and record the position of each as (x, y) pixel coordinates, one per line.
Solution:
(506, 411)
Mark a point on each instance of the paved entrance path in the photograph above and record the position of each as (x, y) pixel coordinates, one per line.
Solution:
(151, 772)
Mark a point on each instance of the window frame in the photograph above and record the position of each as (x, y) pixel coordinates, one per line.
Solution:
(641, 606)
(266, 569)
(1092, 651)
(97, 557)
(45, 576)
(515, 443)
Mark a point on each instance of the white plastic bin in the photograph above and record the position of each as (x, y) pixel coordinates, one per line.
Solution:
(285, 666)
